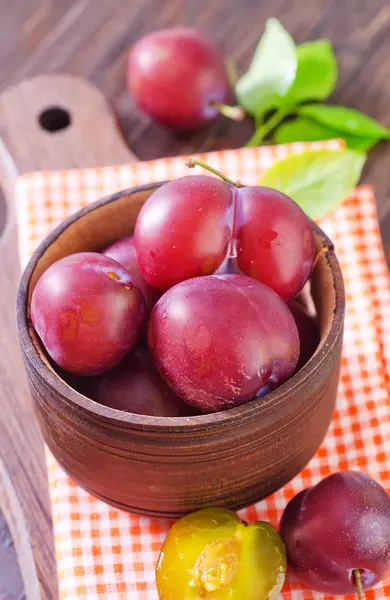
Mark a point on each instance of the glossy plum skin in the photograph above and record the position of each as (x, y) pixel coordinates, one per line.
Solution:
(135, 386)
(174, 74)
(88, 312)
(199, 225)
(309, 334)
(123, 251)
(183, 230)
(220, 557)
(275, 240)
(217, 340)
(341, 524)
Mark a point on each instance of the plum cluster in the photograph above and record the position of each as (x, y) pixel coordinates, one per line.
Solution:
(210, 276)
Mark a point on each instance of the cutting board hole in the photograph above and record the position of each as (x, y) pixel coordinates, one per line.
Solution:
(54, 119)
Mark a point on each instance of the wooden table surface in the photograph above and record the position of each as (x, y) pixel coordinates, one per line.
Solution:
(92, 38)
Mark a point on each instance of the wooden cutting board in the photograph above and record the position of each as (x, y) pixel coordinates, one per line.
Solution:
(46, 123)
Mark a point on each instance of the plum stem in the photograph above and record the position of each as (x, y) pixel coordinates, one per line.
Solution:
(358, 583)
(267, 127)
(235, 113)
(194, 162)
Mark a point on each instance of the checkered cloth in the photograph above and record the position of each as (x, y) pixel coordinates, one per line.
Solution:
(105, 553)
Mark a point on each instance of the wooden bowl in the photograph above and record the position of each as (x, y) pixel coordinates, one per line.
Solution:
(170, 466)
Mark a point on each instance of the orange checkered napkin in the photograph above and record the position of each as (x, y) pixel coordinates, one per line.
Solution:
(103, 553)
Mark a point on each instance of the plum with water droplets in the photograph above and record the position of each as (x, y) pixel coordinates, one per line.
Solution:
(88, 312)
(217, 340)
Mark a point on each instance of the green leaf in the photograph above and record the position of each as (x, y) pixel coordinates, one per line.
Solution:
(303, 129)
(271, 72)
(316, 73)
(317, 179)
(345, 119)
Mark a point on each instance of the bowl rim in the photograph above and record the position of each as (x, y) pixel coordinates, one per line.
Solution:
(254, 409)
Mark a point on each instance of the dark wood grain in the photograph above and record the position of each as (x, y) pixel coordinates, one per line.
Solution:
(251, 451)
(92, 39)
(23, 481)
(22, 466)
(11, 586)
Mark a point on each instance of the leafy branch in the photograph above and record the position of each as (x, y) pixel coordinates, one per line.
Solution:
(283, 77)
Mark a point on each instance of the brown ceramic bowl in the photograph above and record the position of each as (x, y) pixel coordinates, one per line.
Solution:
(171, 466)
